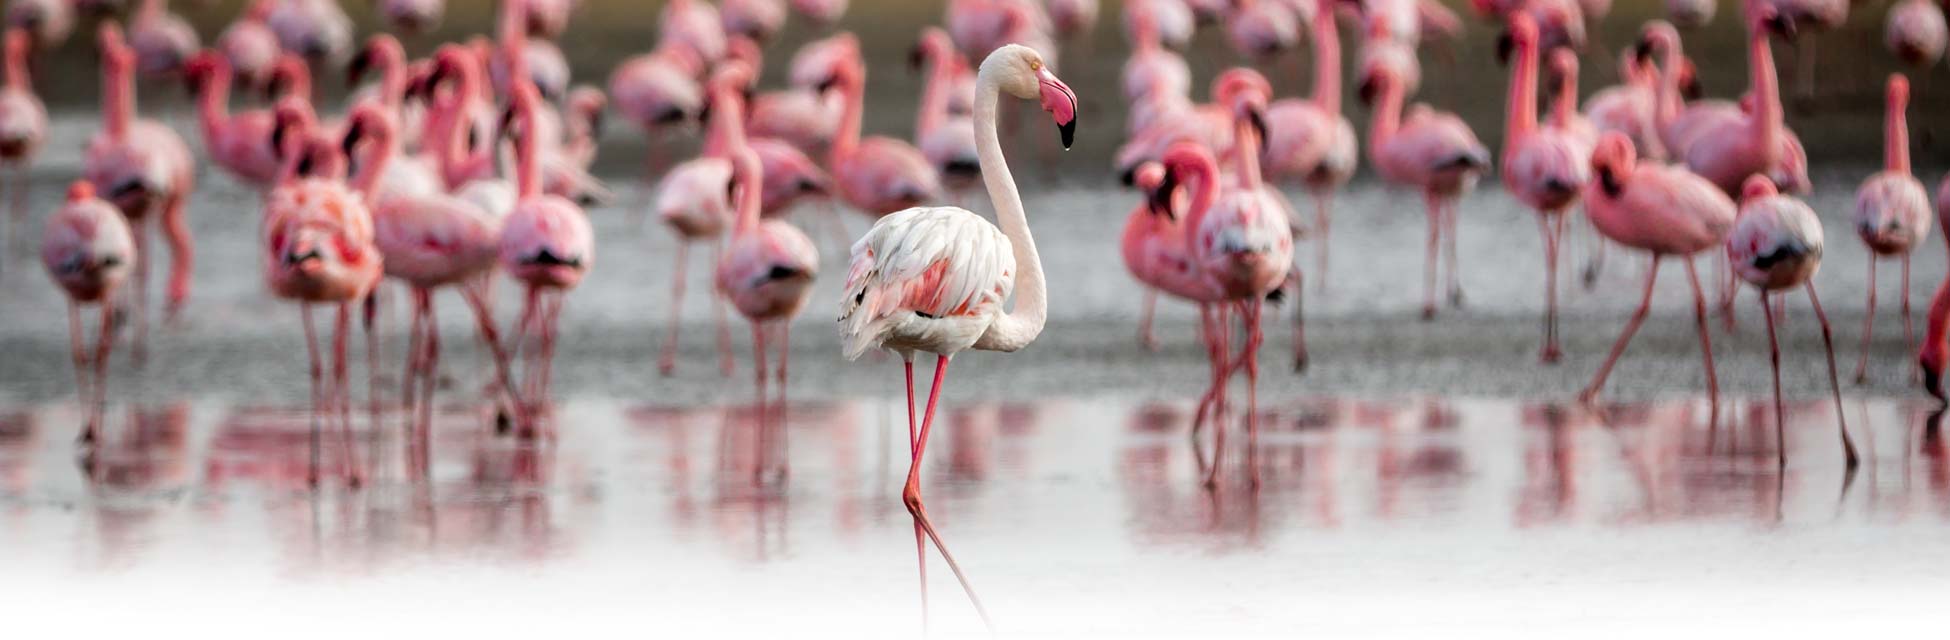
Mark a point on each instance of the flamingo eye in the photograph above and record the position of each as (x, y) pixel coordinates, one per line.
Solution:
(1035, 65)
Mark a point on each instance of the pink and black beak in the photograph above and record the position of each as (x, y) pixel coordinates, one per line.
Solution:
(1061, 103)
(1159, 185)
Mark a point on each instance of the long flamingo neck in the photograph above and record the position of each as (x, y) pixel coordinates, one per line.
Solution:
(18, 76)
(1565, 106)
(751, 187)
(853, 86)
(1387, 117)
(1895, 135)
(1665, 106)
(213, 106)
(1520, 116)
(528, 167)
(1767, 120)
(1204, 173)
(118, 98)
(1020, 326)
(392, 77)
(727, 135)
(381, 149)
(1247, 148)
(1327, 62)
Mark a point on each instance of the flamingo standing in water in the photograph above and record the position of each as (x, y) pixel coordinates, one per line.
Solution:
(238, 143)
(547, 246)
(1732, 144)
(1935, 353)
(1311, 140)
(319, 249)
(250, 45)
(144, 168)
(1434, 152)
(89, 251)
(877, 175)
(945, 138)
(935, 279)
(1776, 245)
(49, 22)
(1892, 213)
(23, 127)
(694, 199)
(163, 41)
(1628, 106)
(1666, 211)
(1544, 166)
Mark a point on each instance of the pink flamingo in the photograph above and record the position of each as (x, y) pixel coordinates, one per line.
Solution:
(805, 118)
(411, 16)
(694, 25)
(1309, 139)
(1776, 245)
(23, 127)
(694, 199)
(767, 273)
(546, 67)
(945, 295)
(163, 41)
(548, 18)
(144, 168)
(319, 249)
(1153, 243)
(1433, 151)
(1915, 31)
(1264, 29)
(1892, 213)
(1544, 167)
(429, 241)
(250, 45)
(89, 251)
(314, 29)
(1728, 150)
(945, 139)
(48, 21)
(877, 175)
(821, 12)
(1172, 20)
(1073, 18)
(658, 91)
(790, 176)
(239, 143)
(755, 19)
(457, 120)
(1628, 106)
(547, 246)
(1407, 22)
(1663, 210)
(1152, 71)
(979, 26)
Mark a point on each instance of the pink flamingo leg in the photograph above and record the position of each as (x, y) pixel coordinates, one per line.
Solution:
(530, 318)
(1551, 227)
(342, 405)
(317, 396)
(429, 378)
(1221, 378)
(784, 327)
(911, 495)
(1147, 338)
(1590, 393)
(726, 364)
(182, 254)
(475, 294)
(16, 186)
(1323, 223)
(1909, 336)
(1450, 217)
(370, 323)
(667, 363)
(1250, 315)
(913, 450)
(1300, 357)
(1705, 344)
(1834, 383)
(1429, 260)
(84, 393)
(139, 294)
(758, 364)
(1774, 359)
(103, 344)
(1868, 326)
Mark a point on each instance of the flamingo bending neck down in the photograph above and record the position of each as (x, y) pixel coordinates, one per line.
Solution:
(1543, 166)
(1776, 245)
(240, 143)
(1432, 151)
(875, 174)
(546, 245)
(1663, 210)
(88, 250)
(1892, 213)
(935, 279)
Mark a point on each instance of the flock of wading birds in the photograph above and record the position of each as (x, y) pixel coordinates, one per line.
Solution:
(474, 161)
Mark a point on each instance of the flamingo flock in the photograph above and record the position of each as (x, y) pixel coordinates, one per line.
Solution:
(471, 164)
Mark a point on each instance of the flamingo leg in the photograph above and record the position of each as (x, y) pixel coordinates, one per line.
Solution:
(911, 495)
(1430, 258)
(914, 451)
(1450, 218)
(139, 294)
(1834, 383)
(84, 392)
(103, 344)
(1595, 266)
(667, 363)
(410, 380)
(758, 405)
(725, 362)
(1774, 359)
(1300, 357)
(1705, 344)
(1868, 326)
(784, 338)
(182, 254)
(317, 397)
(1221, 379)
(429, 377)
(1146, 337)
(476, 298)
(1549, 226)
(369, 323)
(342, 403)
(1323, 224)
(1909, 336)
(530, 332)
(15, 182)
(1250, 315)
(1590, 393)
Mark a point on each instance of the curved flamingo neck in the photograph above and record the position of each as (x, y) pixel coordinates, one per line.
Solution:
(727, 126)
(118, 97)
(1387, 118)
(297, 76)
(380, 150)
(1204, 172)
(528, 167)
(1895, 135)
(1246, 150)
(392, 74)
(1327, 61)
(213, 104)
(1767, 119)
(1520, 115)
(1017, 328)
(853, 85)
(1564, 107)
(1665, 106)
(751, 188)
(18, 76)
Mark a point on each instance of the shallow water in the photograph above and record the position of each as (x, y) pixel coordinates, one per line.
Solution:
(1070, 515)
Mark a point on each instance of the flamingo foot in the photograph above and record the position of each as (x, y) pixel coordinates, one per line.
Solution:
(1589, 276)
(1428, 312)
(1550, 354)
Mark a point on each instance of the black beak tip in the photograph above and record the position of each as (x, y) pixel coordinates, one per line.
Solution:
(1933, 382)
(1366, 92)
(1069, 131)
(1505, 45)
(1127, 176)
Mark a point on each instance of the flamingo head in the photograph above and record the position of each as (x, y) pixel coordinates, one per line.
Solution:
(1658, 36)
(933, 46)
(1689, 87)
(742, 48)
(1157, 186)
(1756, 187)
(1522, 32)
(381, 49)
(198, 70)
(1771, 18)
(1791, 173)
(1246, 93)
(1564, 70)
(1612, 162)
(1020, 71)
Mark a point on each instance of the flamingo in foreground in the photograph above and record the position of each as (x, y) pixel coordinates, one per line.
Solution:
(1776, 245)
(144, 168)
(1434, 152)
(319, 249)
(935, 279)
(1666, 211)
(1892, 213)
(89, 251)
(1544, 166)
(23, 127)
(547, 246)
